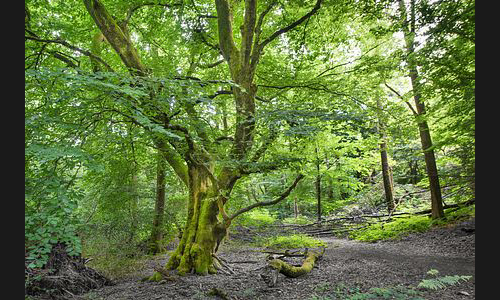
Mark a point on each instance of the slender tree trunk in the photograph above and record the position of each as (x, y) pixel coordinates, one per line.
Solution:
(413, 166)
(408, 27)
(318, 185)
(386, 171)
(430, 163)
(386, 175)
(330, 180)
(157, 230)
(133, 206)
(295, 207)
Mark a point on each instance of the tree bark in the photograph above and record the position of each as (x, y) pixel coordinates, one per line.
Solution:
(116, 36)
(155, 244)
(386, 172)
(408, 27)
(199, 238)
(318, 185)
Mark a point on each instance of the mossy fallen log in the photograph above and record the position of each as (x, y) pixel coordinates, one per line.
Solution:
(293, 271)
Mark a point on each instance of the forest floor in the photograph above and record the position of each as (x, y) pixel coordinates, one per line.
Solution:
(348, 270)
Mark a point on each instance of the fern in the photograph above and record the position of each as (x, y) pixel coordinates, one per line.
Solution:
(442, 282)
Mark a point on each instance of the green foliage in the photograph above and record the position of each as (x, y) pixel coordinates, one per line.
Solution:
(342, 291)
(53, 163)
(300, 220)
(393, 229)
(292, 241)
(327, 290)
(256, 217)
(89, 135)
(437, 283)
(402, 226)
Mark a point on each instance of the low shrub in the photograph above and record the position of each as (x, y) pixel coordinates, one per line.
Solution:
(291, 241)
(400, 227)
(300, 220)
(257, 217)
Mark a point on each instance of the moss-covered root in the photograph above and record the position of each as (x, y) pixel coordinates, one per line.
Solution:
(291, 271)
(159, 275)
(156, 277)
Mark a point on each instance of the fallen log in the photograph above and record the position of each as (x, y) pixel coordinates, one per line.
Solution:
(293, 271)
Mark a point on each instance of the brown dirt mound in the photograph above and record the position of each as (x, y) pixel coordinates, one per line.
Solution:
(62, 276)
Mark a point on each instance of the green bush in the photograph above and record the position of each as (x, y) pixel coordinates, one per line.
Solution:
(292, 241)
(403, 226)
(393, 230)
(257, 217)
(301, 220)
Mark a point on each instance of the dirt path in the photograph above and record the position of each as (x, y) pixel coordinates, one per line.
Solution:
(348, 268)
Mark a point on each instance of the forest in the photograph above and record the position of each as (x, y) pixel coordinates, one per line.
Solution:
(249, 149)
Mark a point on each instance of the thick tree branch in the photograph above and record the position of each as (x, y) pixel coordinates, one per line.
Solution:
(70, 61)
(247, 32)
(256, 50)
(225, 28)
(117, 38)
(292, 25)
(174, 159)
(272, 202)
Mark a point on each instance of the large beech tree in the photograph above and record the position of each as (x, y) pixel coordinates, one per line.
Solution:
(193, 158)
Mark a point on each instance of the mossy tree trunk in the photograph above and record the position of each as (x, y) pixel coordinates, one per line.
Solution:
(155, 244)
(198, 241)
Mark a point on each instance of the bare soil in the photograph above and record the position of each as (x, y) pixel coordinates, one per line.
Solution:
(347, 268)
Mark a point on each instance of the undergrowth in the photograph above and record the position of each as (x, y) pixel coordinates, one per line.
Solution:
(257, 218)
(291, 241)
(329, 291)
(299, 220)
(402, 226)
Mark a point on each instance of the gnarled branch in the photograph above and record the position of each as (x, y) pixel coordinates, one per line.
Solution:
(272, 202)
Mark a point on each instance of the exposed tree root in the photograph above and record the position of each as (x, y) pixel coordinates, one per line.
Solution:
(63, 276)
(223, 264)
